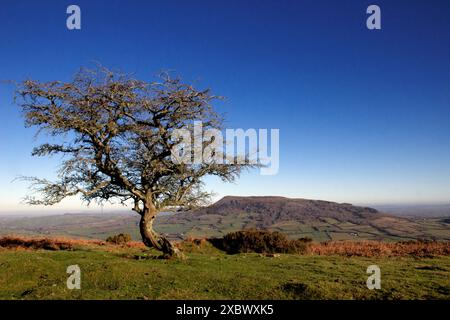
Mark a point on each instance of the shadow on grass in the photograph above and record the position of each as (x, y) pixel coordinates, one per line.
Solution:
(302, 291)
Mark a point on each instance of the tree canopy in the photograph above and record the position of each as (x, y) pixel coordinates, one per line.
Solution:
(117, 139)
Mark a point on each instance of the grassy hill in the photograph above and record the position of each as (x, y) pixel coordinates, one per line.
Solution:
(319, 220)
(133, 272)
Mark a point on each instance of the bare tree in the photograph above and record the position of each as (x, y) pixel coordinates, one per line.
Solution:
(117, 134)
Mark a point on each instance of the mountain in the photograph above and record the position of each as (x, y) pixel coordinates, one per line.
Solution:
(317, 219)
(320, 220)
(274, 209)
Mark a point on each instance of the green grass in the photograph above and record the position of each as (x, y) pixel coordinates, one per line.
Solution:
(211, 274)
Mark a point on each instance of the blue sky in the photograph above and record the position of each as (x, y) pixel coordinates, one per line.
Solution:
(363, 115)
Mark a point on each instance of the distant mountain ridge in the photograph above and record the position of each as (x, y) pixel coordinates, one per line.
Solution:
(318, 219)
(281, 208)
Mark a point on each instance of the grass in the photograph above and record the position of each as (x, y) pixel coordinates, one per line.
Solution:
(121, 272)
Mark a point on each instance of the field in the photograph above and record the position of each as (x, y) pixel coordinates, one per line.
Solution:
(318, 229)
(98, 226)
(133, 272)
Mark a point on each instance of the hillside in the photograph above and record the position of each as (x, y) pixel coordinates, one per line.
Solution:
(320, 220)
(134, 272)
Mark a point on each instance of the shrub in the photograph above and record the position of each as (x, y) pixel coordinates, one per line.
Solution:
(260, 241)
(121, 238)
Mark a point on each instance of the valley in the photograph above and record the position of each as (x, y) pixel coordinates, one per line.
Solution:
(316, 219)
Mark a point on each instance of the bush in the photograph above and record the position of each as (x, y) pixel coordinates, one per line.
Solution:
(121, 238)
(260, 241)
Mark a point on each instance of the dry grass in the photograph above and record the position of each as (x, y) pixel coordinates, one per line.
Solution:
(57, 243)
(12, 242)
(203, 245)
(378, 248)
(353, 248)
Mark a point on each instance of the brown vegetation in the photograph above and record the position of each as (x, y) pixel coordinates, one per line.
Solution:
(121, 238)
(264, 242)
(378, 248)
(58, 243)
(260, 241)
(273, 242)
(12, 242)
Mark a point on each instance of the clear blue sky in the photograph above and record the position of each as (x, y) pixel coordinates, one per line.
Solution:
(364, 116)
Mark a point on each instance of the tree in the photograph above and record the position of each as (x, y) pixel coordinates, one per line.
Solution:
(117, 143)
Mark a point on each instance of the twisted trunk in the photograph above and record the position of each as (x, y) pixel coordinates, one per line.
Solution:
(154, 240)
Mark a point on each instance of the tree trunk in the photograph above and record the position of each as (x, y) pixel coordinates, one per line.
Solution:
(154, 240)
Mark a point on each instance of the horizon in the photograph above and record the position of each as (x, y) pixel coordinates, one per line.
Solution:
(33, 211)
(359, 123)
